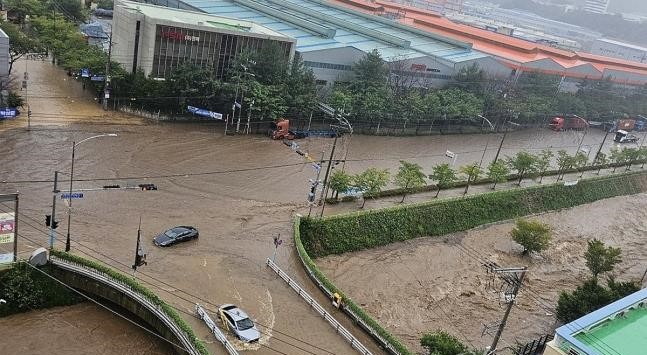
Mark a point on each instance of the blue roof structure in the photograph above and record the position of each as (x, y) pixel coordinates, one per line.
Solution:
(318, 25)
(94, 30)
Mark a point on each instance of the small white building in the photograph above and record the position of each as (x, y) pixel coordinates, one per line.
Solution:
(4, 58)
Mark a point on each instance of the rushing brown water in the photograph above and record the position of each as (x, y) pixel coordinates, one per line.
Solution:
(207, 180)
(80, 329)
(439, 282)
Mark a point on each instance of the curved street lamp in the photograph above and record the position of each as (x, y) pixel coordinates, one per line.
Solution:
(69, 213)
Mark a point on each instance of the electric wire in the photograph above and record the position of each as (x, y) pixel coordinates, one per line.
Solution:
(203, 301)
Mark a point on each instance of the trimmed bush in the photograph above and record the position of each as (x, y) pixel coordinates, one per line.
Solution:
(368, 229)
(136, 286)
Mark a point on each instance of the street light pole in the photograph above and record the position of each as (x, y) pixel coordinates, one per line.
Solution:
(69, 208)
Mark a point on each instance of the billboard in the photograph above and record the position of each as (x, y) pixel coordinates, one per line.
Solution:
(7, 236)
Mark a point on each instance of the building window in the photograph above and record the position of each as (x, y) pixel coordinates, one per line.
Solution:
(332, 66)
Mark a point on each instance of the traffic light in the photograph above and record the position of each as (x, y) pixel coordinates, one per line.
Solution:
(54, 224)
(48, 220)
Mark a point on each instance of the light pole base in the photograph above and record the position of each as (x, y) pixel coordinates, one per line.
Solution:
(67, 243)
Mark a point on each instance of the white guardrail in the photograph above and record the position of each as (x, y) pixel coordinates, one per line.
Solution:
(139, 298)
(202, 314)
(319, 309)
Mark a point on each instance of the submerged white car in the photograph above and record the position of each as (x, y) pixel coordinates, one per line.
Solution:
(239, 323)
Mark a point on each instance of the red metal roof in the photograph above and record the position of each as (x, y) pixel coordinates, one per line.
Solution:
(516, 52)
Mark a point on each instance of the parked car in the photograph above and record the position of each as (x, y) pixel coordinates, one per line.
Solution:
(175, 235)
(239, 323)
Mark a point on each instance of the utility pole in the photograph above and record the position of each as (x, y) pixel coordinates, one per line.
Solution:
(140, 256)
(324, 188)
(514, 277)
(106, 81)
(496, 157)
(53, 223)
(597, 155)
(313, 187)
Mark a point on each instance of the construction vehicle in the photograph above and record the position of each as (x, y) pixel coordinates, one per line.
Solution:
(623, 136)
(568, 122)
(280, 129)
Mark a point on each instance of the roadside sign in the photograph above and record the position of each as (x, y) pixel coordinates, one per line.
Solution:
(73, 195)
(571, 183)
(7, 227)
(205, 113)
(85, 73)
(316, 166)
(450, 154)
(8, 112)
(98, 78)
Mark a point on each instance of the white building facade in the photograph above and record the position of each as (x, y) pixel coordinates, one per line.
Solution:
(597, 6)
(622, 50)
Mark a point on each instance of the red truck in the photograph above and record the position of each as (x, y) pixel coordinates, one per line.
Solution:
(570, 122)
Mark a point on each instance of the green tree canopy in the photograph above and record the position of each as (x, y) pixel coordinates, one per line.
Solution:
(589, 297)
(371, 181)
(472, 171)
(542, 163)
(523, 162)
(19, 43)
(498, 172)
(409, 176)
(444, 176)
(442, 343)
(533, 236)
(600, 258)
(340, 181)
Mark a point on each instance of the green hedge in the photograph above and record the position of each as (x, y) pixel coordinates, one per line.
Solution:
(26, 289)
(347, 301)
(136, 286)
(367, 229)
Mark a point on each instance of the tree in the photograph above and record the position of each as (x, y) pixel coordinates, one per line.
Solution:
(601, 259)
(20, 290)
(340, 181)
(579, 162)
(589, 297)
(617, 157)
(409, 176)
(473, 172)
(471, 79)
(301, 93)
(601, 160)
(534, 236)
(585, 299)
(19, 44)
(442, 343)
(631, 155)
(14, 100)
(564, 162)
(542, 163)
(371, 181)
(19, 9)
(523, 163)
(444, 175)
(498, 172)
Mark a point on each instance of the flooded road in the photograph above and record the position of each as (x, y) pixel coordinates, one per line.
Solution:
(239, 191)
(439, 282)
(49, 332)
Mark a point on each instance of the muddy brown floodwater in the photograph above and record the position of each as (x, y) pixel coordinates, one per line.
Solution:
(439, 282)
(239, 191)
(80, 329)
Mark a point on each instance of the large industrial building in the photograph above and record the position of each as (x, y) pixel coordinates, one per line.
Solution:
(158, 39)
(331, 38)
(516, 54)
(618, 49)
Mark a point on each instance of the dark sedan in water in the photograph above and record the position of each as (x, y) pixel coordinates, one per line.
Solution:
(175, 235)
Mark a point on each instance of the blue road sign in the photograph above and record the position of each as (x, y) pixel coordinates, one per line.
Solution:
(8, 112)
(205, 113)
(67, 195)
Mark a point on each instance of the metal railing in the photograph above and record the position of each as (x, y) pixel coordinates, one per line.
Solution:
(106, 279)
(356, 344)
(202, 314)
